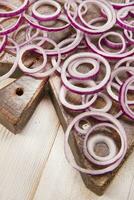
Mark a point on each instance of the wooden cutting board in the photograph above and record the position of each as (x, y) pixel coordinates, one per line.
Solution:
(97, 184)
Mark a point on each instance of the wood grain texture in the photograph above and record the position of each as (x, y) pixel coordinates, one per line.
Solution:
(99, 183)
(23, 156)
(19, 100)
(60, 182)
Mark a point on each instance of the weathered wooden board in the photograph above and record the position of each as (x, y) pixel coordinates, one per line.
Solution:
(98, 184)
(19, 100)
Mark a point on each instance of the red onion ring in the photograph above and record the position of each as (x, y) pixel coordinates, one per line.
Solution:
(48, 72)
(120, 15)
(46, 17)
(123, 97)
(128, 61)
(89, 24)
(106, 107)
(3, 43)
(12, 28)
(36, 24)
(16, 11)
(82, 106)
(84, 129)
(92, 46)
(80, 90)
(129, 35)
(108, 159)
(104, 5)
(121, 5)
(109, 85)
(69, 44)
(74, 73)
(68, 152)
(123, 43)
(27, 48)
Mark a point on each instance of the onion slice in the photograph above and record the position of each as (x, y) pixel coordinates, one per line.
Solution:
(88, 90)
(46, 17)
(14, 12)
(123, 98)
(23, 50)
(68, 152)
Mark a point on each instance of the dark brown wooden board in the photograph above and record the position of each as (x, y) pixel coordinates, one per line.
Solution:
(97, 184)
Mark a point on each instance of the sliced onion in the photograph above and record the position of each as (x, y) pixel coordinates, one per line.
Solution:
(107, 106)
(120, 16)
(11, 28)
(113, 75)
(68, 152)
(95, 49)
(88, 90)
(3, 42)
(118, 5)
(128, 61)
(103, 5)
(123, 97)
(82, 106)
(82, 130)
(110, 158)
(29, 48)
(129, 34)
(46, 17)
(111, 33)
(14, 12)
(74, 73)
(44, 73)
(36, 24)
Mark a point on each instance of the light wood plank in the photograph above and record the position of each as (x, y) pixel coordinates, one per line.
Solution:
(60, 182)
(23, 156)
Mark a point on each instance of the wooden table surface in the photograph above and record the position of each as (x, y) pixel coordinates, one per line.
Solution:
(33, 165)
